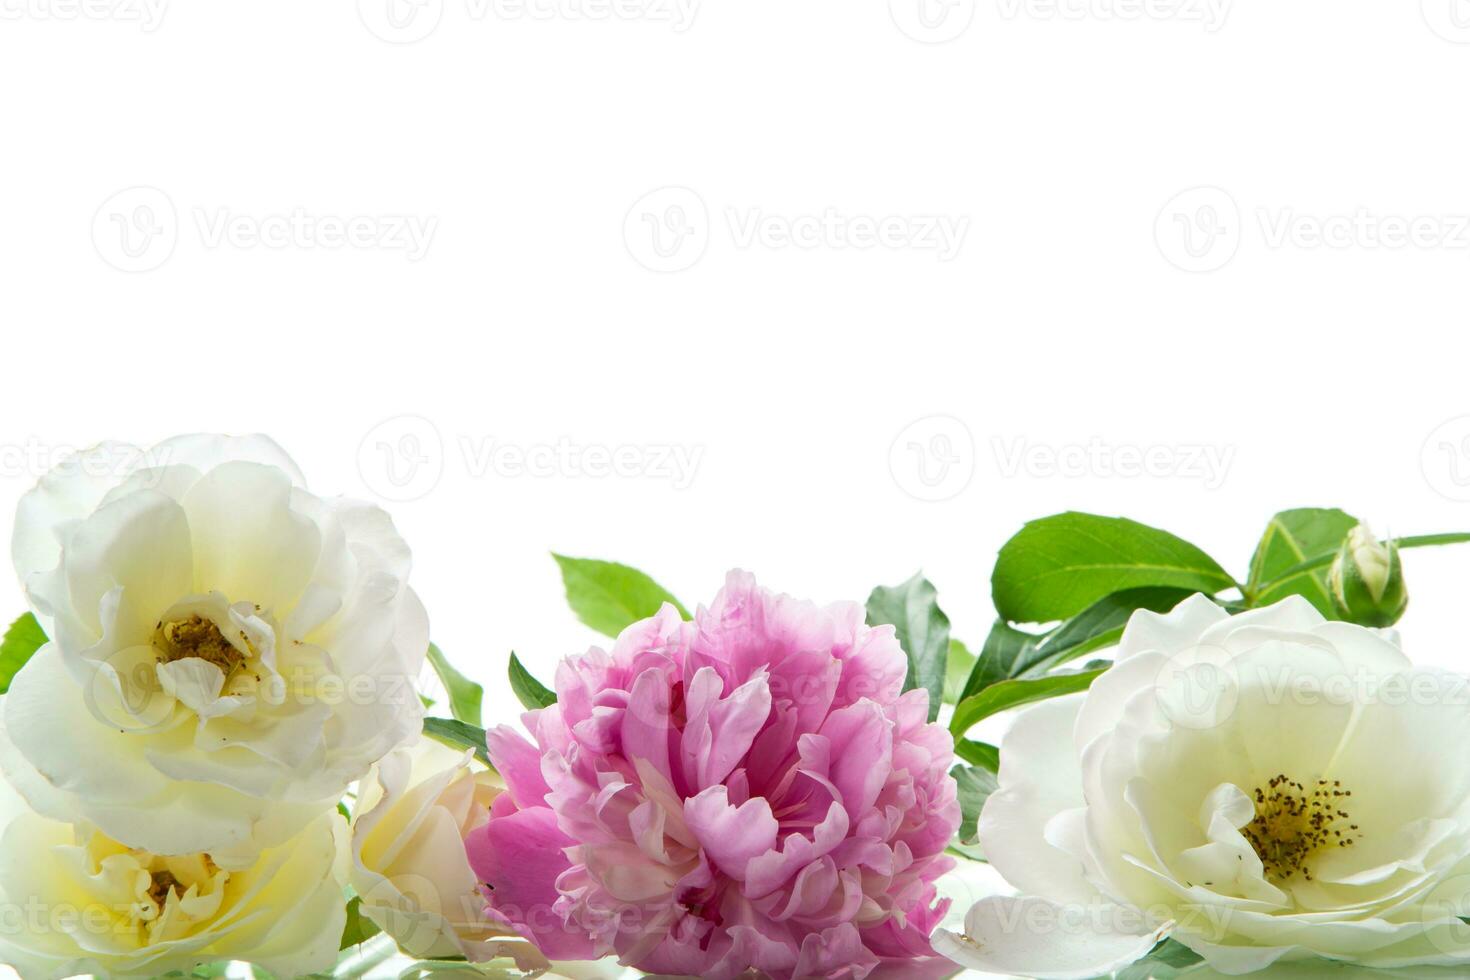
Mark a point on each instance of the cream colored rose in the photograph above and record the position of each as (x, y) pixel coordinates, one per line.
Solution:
(74, 901)
(1263, 788)
(228, 653)
(408, 856)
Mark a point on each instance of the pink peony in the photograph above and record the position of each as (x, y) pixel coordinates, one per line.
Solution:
(751, 790)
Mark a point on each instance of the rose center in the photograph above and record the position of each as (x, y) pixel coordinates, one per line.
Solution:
(162, 884)
(175, 876)
(197, 637)
(1294, 822)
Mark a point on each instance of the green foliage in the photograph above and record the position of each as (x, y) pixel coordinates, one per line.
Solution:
(359, 927)
(1015, 693)
(465, 696)
(22, 640)
(975, 786)
(1057, 566)
(1165, 961)
(923, 632)
(527, 689)
(1291, 538)
(981, 754)
(957, 671)
(458, 735)
(610, 597)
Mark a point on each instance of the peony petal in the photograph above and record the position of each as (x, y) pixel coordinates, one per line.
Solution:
(731, 836)
(864, 759)
(519, 764)
(519, 857)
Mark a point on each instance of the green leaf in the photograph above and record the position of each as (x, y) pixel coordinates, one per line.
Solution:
(610, 597)
(22, 640)
(1057, 566)
(1165, 961)
(465, 696)
(359, 927)
(528, 690)
(1016, 692)
(1098, 626)
(1010, 653)
(923, 631)
(957, 670)
(981, 754)
(1291, 538)
(1005, 652)
(975, 787)
(458, 735)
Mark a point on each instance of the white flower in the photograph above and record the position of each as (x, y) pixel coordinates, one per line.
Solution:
(228, 651)
(1263, 788)
(408, 857)
(73, 901)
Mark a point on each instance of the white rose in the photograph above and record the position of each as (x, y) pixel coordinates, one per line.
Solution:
(73, 901)
(1264, 788)
(408, 857)
(228, 651)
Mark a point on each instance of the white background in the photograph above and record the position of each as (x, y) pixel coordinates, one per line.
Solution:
(1065, 142)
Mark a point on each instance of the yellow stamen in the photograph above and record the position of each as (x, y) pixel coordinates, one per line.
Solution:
(197, 637)
(1292, 824)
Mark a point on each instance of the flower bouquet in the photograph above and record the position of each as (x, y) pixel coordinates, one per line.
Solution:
(217, 759)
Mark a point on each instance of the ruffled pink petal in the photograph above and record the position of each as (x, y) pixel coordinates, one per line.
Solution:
(731, 836)
(519, 856)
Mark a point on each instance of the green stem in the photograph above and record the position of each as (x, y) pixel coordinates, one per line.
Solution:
(1413, 541)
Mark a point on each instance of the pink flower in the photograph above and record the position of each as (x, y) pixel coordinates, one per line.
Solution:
(749, 790)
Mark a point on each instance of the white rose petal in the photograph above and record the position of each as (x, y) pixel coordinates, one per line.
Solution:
(76, 901)
(228, 651)
(408, 856)
(1266, 788)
